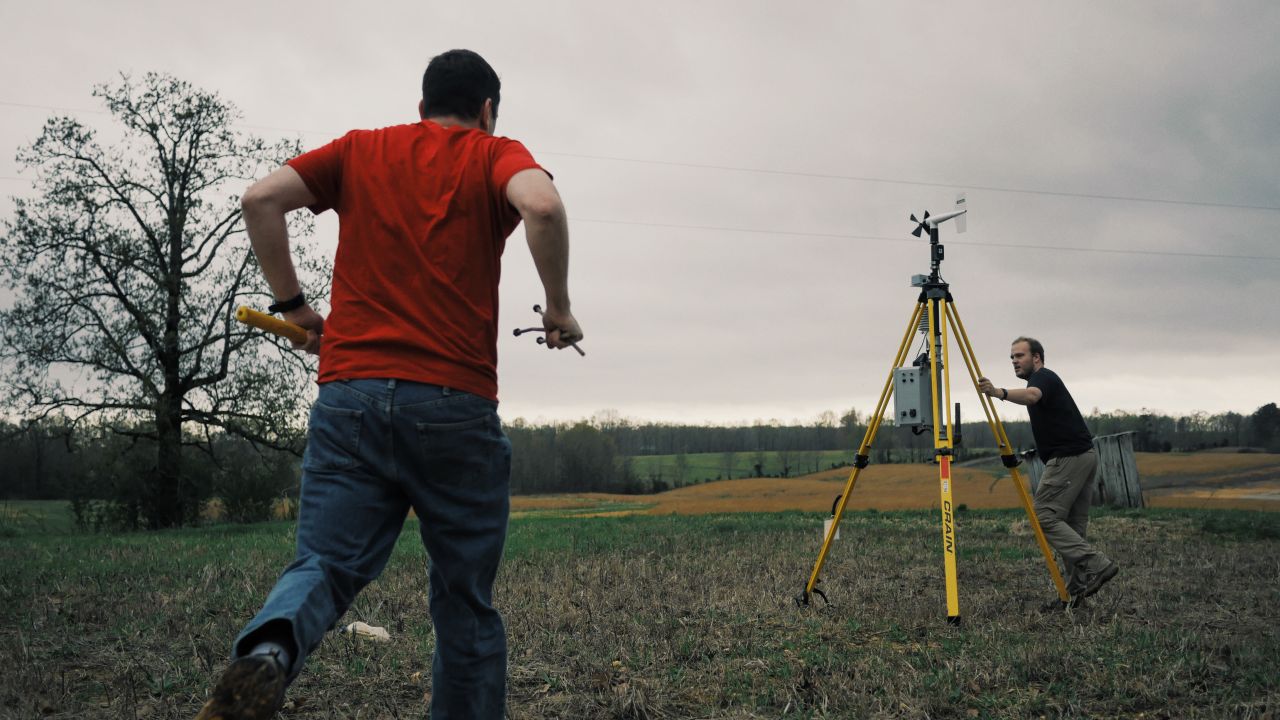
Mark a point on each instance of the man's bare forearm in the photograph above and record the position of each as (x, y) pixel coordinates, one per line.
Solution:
(269, 238)
(265, 205)
(1023, 396)
(546, 228)
(548, 236)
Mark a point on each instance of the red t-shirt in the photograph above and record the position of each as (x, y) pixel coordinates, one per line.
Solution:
(423, 219)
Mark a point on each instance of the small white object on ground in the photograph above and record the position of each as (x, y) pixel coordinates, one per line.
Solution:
(369, 632)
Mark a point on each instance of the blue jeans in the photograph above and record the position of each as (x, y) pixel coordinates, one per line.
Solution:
(375, 448)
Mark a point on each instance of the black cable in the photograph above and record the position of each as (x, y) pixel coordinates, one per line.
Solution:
(839, 236)
(883, 238)
(790, 173)
(923, 183)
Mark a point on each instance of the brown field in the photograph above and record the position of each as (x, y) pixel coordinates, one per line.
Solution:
(1223, 481)
(1184, 480)
(1203, 463)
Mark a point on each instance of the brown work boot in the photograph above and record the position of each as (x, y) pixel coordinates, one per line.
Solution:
(251, 688)
(1101, 578)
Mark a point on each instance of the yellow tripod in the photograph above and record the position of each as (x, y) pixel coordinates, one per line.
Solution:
(936, 307)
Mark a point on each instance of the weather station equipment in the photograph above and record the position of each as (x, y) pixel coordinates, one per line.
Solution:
(922, 401)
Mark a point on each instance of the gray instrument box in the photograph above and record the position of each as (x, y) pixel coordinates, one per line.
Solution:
(912, 397)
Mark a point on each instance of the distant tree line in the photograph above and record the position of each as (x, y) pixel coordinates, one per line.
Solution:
(103, 471)
(1155, 433)
(106, 474)
(573, 457)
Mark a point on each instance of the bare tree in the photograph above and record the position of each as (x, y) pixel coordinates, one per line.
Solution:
(127, 267)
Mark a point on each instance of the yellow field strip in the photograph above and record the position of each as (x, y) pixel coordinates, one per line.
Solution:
(914, 487)
(888, 487)
(1202, 463)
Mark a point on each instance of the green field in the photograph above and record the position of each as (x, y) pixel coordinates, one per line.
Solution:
(678, 617)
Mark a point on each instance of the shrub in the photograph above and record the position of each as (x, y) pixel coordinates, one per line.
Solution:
(249, 482)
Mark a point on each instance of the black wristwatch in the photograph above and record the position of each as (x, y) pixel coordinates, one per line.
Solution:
(286, 305)
(1005, 396)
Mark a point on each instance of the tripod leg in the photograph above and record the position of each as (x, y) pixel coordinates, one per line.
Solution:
(1006, 452)
(942, 443)
(862, 459)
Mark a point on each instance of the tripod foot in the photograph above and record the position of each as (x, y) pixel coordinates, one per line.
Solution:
(802, 600)
(953, 620)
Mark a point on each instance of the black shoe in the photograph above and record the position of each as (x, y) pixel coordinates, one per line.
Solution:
(251, 688)
(1097, 581)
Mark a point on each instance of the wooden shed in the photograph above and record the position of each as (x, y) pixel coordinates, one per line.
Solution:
(1117, 472)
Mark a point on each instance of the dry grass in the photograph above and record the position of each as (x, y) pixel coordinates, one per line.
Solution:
(528, 503)
(882, 487)
(682, 617)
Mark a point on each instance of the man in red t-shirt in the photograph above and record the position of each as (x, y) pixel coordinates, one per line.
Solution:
(406, 413)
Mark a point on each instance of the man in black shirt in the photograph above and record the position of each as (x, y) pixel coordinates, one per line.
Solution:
(1065, 445)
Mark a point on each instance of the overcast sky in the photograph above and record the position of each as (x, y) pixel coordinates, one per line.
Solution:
(738, 177)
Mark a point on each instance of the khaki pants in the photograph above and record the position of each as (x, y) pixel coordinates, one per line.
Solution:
(1062, 506)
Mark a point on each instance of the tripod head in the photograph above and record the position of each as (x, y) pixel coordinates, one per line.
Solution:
(936, 251)
(913, 395)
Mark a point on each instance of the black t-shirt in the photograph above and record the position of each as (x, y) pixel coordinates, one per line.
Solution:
(1056, 422)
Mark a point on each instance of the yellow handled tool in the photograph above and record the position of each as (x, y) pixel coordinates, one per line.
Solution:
(275, 325)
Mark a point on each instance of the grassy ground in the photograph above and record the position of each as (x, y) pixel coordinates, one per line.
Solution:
(682, 617)
(35, 517)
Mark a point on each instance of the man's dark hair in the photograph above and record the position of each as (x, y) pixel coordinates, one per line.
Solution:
(1036, 347)
(457, 83)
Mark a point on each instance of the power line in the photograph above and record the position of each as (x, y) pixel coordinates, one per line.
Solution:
(752, 231)
(786, 173)
(924, 183)
(838, 236)
(51, 107)
(885, 238)
(1115, 251)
